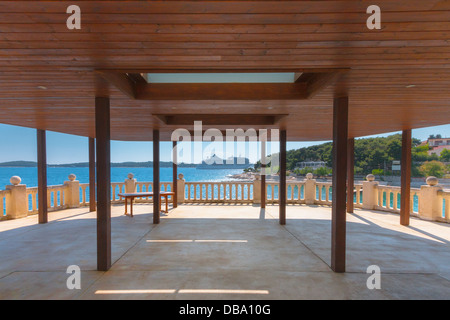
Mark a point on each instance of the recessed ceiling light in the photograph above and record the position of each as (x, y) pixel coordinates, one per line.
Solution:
(270, 108)
(410, 86)
(42, 87)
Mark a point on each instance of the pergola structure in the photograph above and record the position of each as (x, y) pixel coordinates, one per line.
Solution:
(350, 81)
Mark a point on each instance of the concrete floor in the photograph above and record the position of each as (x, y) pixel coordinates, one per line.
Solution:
(224, 252)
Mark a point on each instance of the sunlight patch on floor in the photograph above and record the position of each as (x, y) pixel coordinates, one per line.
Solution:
(207, 240)
(189, 291)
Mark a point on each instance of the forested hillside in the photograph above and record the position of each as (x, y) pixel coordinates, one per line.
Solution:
(372, 155)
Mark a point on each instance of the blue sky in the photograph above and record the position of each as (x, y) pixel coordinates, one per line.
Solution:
(19, 143)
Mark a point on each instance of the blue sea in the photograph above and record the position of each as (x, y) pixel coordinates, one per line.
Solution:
(57, 176)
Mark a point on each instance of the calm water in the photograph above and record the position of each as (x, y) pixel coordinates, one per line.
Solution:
(57, 176)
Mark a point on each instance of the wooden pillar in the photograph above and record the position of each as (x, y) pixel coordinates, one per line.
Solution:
(156, 183)
(340, 140)
(102, 133)
(175, 174)
(263, 173)
(42, 176)
(350, 173)
(405, 178)
(282, 186)
(92, 202)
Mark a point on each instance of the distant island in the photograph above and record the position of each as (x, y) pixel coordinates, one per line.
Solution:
(86, 164)
(19, 164)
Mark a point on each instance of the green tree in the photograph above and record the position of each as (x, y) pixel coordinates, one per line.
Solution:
(433, 168)
(394, 149)
(370, 154)
(420, 153)
(415, 171)
(445, 155)
(321, 172)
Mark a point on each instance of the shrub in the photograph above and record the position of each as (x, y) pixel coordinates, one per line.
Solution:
(377, 172)
(433, 168)
(321, 172)
(445, 155)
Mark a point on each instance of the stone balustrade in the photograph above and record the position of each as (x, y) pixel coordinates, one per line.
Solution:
(429, 202)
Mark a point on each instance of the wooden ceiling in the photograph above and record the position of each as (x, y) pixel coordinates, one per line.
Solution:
(398, 77)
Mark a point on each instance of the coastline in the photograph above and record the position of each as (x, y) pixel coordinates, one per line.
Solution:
(57, 175)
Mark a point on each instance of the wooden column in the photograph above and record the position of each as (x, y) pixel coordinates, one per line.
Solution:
(92, 202)
(175, 174)
(405, 178)
(156, 184)
(263, 174)
(350, 173)
(102, 133)
(340, 140)
(282, 186)
(42, 176)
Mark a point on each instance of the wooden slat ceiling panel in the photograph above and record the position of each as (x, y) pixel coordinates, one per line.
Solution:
(399, 76)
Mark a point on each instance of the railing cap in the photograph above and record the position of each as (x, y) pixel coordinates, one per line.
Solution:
(432, 181)
(370, 177)
(15, 180)
(72, 177)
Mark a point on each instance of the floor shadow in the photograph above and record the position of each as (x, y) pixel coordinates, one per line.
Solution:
(409, 227)
(262, 214)
(75, 239)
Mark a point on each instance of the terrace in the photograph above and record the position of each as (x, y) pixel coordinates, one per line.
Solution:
(224, 251)
(218, 243)
(345, 81)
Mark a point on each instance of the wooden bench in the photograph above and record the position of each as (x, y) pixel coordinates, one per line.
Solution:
(131, 196)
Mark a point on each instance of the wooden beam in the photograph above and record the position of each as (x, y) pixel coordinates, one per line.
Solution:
(220, 119)
(263, 174)
(156, 182)
(102, 131)
(221, 91)
(92, 201)
(297, 76)
(42, 176)
(297, 71)
(315, 82)
(121, 81)
(282, 186)
(340, 140)
(405, 178)
(350, 174)
(140, 78)
(175, 173)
